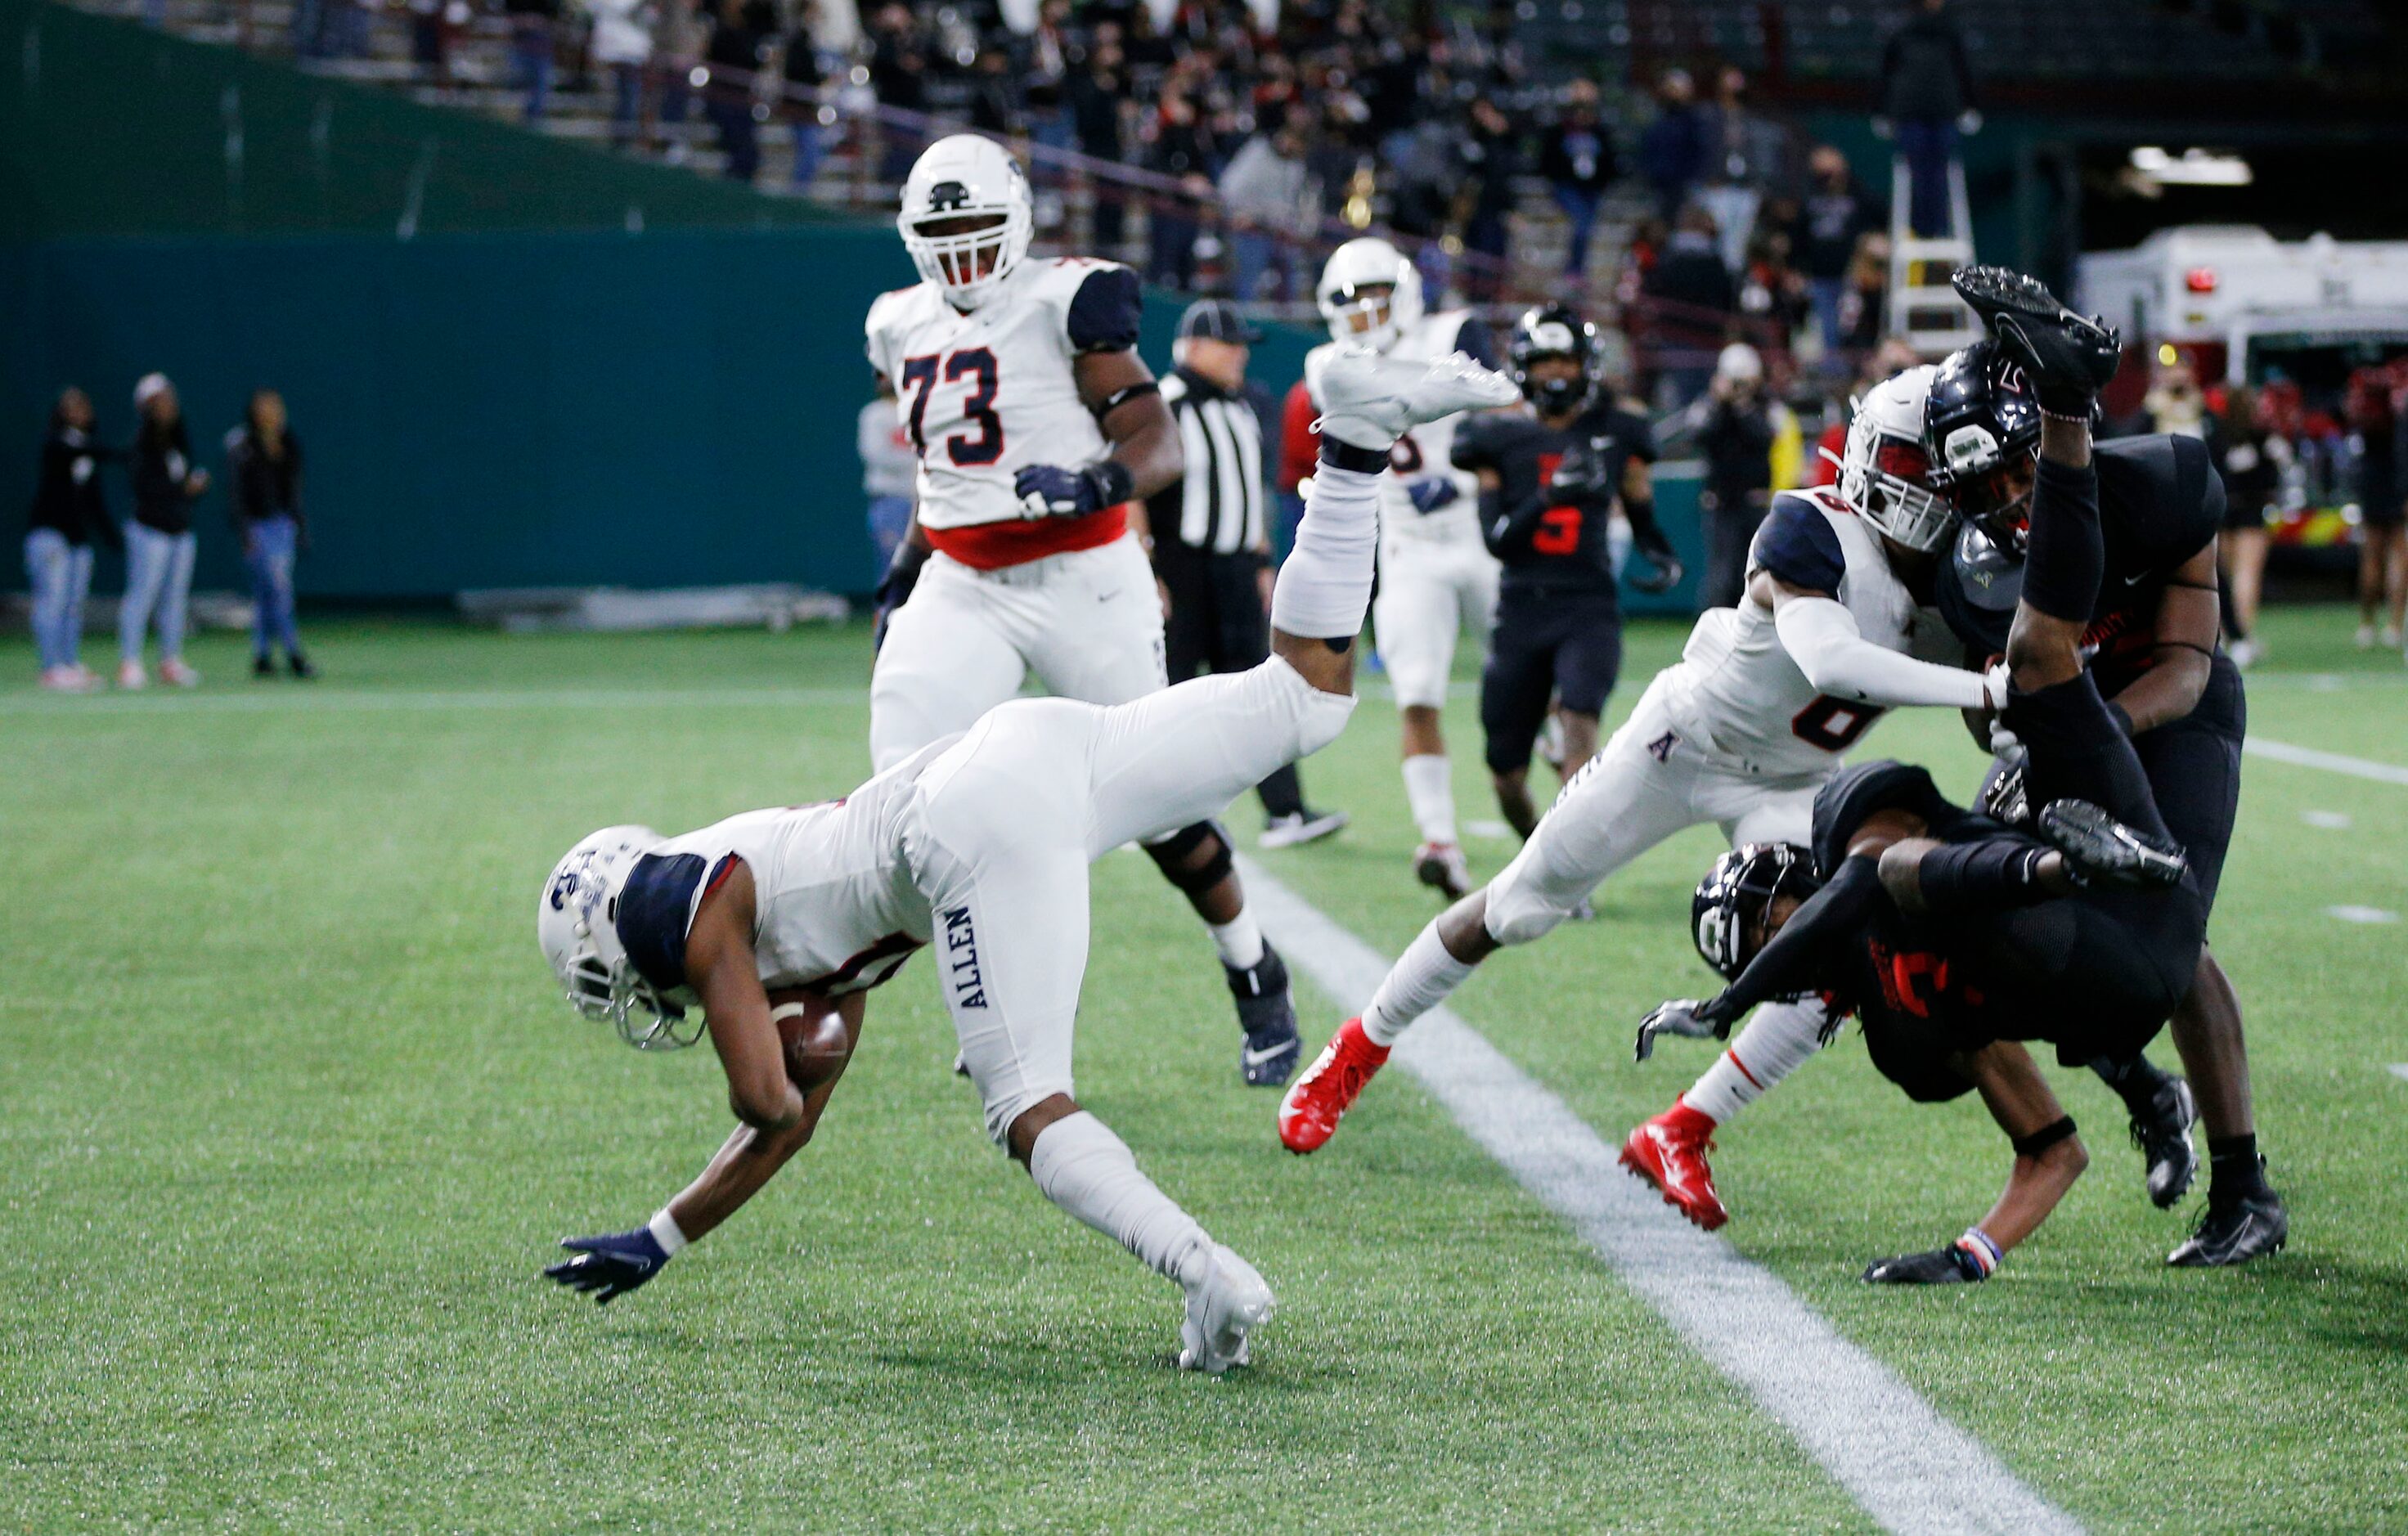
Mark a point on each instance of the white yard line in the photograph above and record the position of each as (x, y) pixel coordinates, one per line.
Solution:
(2400, 1070)
(282, 698)
(2332, 762)
(1908, 1467)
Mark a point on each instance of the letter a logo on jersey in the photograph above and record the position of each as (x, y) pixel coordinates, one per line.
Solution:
(1661, 748)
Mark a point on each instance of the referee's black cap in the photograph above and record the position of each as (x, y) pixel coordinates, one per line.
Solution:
(1217, 320)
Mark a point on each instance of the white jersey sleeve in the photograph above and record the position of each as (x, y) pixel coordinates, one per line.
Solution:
(1739, 694)
(983, 394)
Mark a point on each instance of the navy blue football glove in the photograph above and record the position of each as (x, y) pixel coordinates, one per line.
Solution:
(1047, 490)
(1431, 491)
(895, 588)
(1949, 1266)
(610, 1265)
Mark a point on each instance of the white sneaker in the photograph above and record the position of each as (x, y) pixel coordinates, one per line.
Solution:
(1301, 827)
(2366, 636)
(1370, 401)
(130, 675)
(1229, 1302)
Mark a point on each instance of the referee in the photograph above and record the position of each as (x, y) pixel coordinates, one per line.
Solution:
(1212, 543)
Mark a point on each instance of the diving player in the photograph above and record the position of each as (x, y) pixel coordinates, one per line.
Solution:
(1549, 480)
(978, 844)
(1741, 732)
(1036, 429)
(1436, 578)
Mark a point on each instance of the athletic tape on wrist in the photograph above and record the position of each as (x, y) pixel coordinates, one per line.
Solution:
(666, 1232)
(1978, 1246)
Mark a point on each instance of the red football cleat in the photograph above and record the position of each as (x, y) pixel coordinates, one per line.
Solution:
(1669, 1152)
(1307, 1116)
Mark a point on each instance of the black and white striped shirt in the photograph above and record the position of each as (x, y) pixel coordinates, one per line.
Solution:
(1218, 507)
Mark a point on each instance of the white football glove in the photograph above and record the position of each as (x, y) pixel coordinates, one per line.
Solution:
(1994, 686)
(1672, 1018)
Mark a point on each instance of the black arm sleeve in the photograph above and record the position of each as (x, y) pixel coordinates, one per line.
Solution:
(1645, 531)
(1799, 954)
(1508, 530)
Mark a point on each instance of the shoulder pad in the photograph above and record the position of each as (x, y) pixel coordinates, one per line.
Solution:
(1798, 544)
(1104, 309)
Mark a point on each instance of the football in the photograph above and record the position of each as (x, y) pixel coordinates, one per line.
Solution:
(816, 1043)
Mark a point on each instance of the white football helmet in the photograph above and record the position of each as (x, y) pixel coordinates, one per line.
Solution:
(965, 178)
(1374, 321)
(576, 923)
(1885, 474)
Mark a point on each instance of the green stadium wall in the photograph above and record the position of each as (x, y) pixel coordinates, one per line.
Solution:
(514, 361)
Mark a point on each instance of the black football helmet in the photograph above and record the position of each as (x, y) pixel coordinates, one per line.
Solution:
(1555, 330)
(1732, 898)
(1981, 428)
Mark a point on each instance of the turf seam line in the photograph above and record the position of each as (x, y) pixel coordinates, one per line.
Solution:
(2332, 762)
(1904, 1464)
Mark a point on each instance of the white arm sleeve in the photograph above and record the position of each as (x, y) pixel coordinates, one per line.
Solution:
(1822, 637)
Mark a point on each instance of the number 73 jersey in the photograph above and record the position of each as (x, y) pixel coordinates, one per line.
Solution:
(1737, 691)
(985, 395)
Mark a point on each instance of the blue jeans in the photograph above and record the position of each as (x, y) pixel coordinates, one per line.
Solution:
(626, 100)
(531, 64)
(1580, 206)
(811, 147)
(1824, 293)
(158, 577)
(268, 548)
(60, 574)
(1928, 144)
(890, 517)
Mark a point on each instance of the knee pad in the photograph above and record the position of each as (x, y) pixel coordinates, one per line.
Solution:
(1176, 855)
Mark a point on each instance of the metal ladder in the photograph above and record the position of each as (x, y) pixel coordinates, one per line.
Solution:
(1921, 306)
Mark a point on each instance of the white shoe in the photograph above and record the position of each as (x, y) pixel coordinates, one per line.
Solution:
(1229, 1302)
(2390, 638)
(1368, 400)
(2366, 636)
(130, 675)
(173, 671)
(1301, 827)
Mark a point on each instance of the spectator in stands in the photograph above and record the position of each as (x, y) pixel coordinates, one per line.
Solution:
(1689, 298)
(2174, 404)
(1746, 156)
(2250, 457)
(264, 481)
(1099, 104)
(1736, 440)
(159, 542)
(898, 76)
(1264, 197)
(1832, 216)
(1771, 293)
(1926, 100)
(1042, 62)
(994, 96)
(799, 100)
(622, 45)
(530, 26)
(734, 56)
(889, 471)
(435, 28)
(69, 512)
(1180, 148)
(1577, 159)
(1863, 302)
(1672, 149)
(1491, 151)
(676, 50)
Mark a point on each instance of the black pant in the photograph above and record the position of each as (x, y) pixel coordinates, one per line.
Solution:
(1731, 522)
(1546, 645)
(1217, 625)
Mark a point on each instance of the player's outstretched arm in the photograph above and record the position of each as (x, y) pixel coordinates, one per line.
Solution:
(721, 967)
(751, 1156)
(1822, 637)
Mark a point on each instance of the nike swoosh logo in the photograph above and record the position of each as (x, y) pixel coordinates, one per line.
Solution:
(1256, 1058)
(2136, 581)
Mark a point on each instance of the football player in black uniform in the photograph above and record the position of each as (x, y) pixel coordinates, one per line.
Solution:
(1947, 932)
(2150, 638)
(1549, 481)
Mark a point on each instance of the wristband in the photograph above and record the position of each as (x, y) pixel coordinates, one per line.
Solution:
(1115, 484)
(666, 1232)
(1343, 456)
(1977, 1246)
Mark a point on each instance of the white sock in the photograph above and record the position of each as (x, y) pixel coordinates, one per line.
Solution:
(1324, 584)
(1422, 978)
(1777, 1041)
(1239, 939)
(1081, 1167)
(1429, 789)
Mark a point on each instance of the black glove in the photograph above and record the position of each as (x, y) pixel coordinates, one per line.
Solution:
(2067, 359)
(610, 1265)
(1668, 572)
(895, 588)
(1948, 1266)
(1047, 490)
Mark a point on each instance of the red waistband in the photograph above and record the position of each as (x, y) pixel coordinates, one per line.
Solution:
(992, 546)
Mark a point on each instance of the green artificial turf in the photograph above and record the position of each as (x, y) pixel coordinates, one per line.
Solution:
(291, 1114)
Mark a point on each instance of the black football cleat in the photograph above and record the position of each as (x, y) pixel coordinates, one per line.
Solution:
(2067, 358)
(1268, 1057)
(2104, 850)
(2162, 1132)
(301, 666)
(2234, 1232)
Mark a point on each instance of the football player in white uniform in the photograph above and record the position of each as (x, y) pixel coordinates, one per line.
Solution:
(1436, 577)
(1039, 434)
(1834, 629)
(978, 845)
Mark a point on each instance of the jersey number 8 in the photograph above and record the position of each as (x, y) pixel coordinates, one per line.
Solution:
(1833, 724)
(977, 364)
